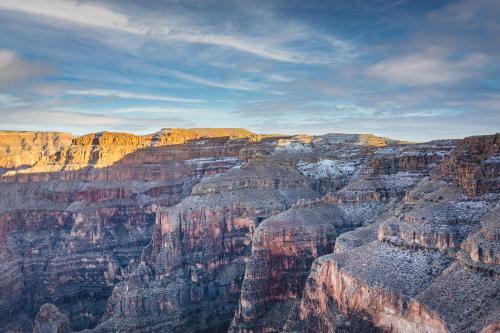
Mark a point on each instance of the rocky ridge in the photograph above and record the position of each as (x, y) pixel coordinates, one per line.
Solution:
(210, 230)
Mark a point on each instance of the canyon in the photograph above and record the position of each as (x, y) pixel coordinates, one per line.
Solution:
(225, 230)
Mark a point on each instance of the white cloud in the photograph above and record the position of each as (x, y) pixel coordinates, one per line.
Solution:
(7, 58)
(254, 46)
(13, 69)
(242, 85)
(160, 110)
(425, 69)
(172, 28)
(131, 95)
(82, 122)
(72, 12)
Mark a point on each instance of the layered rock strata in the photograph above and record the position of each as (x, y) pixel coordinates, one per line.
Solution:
(376, 182)
(191, 230)
(67, 237)
(50, 320)
(283, 248)
(432, 267)
(191, 277)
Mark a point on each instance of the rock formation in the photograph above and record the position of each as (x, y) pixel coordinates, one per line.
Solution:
(216, 230)
(432, 268)
(191, 277)
(50, 320)
(283, 248)
(22, 149)
(68, 236)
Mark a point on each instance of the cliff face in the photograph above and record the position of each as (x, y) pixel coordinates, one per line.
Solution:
(68, 237)
(475, 164)
(101, 150)
(285, 245)
(432, 268)
(190, 280)
(21, 149)
(210, 230)
(283, 249)
(50, 320)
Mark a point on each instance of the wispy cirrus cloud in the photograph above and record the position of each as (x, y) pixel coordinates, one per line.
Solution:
(313, 66)
(9, 101)
(169, 29)
(162, 110)
(424, 69)
(241, 84)
(84, 122)
(74, 12)
(131, 95)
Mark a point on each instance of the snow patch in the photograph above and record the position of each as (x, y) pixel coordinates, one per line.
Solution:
(292, 146)
(195, 161)
(326, 169)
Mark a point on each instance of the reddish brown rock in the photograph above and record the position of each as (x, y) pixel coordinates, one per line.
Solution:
(283, 249)
(432, 269)
(475, 164)
(177, 230)
(68, 237)
(191, 280)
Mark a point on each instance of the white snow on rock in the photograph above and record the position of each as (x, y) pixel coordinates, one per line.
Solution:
(387, 151)
(292, 146)
(200, 161)
(326, 169)
(493, 159)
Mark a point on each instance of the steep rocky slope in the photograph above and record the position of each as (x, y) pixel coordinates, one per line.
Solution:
(68, 237)
(191, 277)
(433, 266)
(210, 230)
(285, 245)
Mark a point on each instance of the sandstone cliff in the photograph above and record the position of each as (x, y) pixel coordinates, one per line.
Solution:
(22, 149)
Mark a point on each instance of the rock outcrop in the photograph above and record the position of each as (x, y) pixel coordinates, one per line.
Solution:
(50, 320)
(375, 182)
(23, 149)
(283, 249)
(190, 279)
(475, 164)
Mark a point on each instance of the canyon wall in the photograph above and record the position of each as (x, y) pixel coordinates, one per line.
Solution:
(433, 266)
(72, 225)
(216, 230)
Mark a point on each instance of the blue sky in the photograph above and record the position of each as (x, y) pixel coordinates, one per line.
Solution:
(415, 70)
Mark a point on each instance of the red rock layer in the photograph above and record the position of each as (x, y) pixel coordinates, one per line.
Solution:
(68, 237)
(475, 164)
(191, 278)
(433, 267)
(284, 246)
